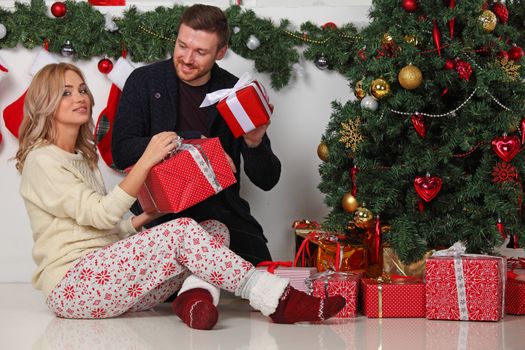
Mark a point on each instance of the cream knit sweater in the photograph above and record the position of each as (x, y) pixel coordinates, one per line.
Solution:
(69, 212)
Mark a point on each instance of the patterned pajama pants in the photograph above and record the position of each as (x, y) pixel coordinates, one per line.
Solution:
(143, 270)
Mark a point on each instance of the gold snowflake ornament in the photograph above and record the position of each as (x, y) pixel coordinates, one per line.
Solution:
(511, 69)
(350, 135)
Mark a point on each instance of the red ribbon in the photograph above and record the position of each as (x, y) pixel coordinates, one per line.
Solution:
(377, 240)
(311, 237)
(436, 35)
(453, 20)
(272, 265)
(353, 174)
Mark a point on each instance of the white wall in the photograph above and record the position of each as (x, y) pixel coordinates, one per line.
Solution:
(302, 110)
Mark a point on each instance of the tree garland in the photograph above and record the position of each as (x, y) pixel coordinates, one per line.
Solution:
(149, 36)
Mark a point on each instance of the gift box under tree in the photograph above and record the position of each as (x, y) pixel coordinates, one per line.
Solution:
(515, 289)
(199, 169)
(395, 297)
(286, 269)
(330, 283)
(464, 287)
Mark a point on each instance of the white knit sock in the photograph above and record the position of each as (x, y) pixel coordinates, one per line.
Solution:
(193, 282)
(263, 290)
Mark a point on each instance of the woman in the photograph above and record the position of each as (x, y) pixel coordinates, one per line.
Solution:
(91, 262)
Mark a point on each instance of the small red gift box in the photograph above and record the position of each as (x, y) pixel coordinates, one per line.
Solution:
(245, 109)
(515, 291)
(329, 283)
(465, 287)
(393, 298)
(297, 275)
(198, 170)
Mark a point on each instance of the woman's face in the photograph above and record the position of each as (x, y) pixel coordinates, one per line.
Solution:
(75, 105)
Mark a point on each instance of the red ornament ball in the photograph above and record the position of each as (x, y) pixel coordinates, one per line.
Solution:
(450, 64)
(501, 12)
(464, 70)
(410, 5)
(515, 53)
(59, 9)
(105, 66)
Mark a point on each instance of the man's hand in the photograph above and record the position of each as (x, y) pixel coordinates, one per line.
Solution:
(254, 137)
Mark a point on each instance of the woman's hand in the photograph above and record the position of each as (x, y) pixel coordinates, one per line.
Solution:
(159, 147)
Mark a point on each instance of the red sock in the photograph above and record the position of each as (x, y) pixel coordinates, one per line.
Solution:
(296, 306)
(195, 308)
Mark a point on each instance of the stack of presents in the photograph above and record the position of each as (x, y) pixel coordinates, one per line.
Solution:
(444, 285)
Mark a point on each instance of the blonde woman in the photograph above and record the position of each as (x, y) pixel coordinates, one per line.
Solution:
(91, 263)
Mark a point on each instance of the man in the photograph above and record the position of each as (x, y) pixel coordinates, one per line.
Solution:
(165, 96)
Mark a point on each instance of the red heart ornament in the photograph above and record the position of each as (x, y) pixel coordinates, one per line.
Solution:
(419, 124)
(506, 147)
(427, 187)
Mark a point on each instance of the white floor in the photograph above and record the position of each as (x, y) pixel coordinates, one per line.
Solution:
(25, 323)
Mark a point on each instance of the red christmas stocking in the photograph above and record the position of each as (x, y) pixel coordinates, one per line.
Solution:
(104, 126)
(14, 113)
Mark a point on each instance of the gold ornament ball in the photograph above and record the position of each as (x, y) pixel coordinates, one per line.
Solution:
(322, 151)
(349, 203)
(380, 88)
(410, 77)
(488, 21)
(363, 218)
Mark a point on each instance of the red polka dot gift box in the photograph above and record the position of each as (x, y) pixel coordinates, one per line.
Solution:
(465, 286)
(393, 297)
(198, 170)
(244, 107)
(515, 289)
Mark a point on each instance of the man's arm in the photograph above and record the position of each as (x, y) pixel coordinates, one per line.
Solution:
(261, 165)
(131, 131)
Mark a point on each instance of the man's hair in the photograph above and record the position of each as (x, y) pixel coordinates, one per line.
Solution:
(207, 18)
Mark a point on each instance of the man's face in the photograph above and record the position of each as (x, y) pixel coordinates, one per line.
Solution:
(194, 55)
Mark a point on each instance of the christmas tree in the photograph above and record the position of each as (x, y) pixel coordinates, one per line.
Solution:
(432, 146)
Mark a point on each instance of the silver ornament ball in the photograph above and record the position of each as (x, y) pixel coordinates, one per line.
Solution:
(321, 62)
(236, 30)
(3, 31)
(253, 43)
(67, 49)
(368, 102)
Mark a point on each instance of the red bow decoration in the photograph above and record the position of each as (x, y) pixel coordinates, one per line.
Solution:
(272, 265)
(427, 187)
(506, 147)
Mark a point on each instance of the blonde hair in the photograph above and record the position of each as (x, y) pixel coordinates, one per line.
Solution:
(40, 105)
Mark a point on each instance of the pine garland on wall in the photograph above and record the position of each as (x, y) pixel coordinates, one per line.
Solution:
(79, 28)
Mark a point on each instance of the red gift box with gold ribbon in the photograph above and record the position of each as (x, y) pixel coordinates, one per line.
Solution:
(396, 296)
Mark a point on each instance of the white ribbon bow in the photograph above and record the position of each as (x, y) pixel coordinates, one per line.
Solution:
(216, 96)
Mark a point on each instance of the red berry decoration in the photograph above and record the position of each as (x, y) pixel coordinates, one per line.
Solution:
(464, 69)
(105, 65)
(501, 12)
(515, 53)
(409, 5)
(59, 9)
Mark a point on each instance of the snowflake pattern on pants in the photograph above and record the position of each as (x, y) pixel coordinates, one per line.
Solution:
(143, 270)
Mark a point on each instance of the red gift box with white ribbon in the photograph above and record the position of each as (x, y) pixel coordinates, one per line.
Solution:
(244, 107)
(198, 170)
(286, 269)
(465, 286)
